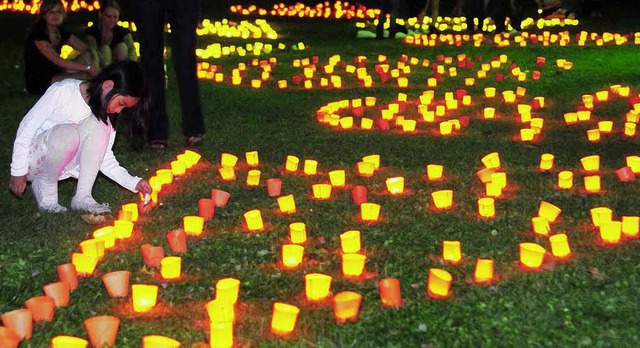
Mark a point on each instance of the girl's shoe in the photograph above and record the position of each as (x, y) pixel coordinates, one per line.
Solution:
(88, 204)
(192, 141)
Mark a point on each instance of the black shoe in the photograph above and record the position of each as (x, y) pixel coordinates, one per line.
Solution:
(158, 144)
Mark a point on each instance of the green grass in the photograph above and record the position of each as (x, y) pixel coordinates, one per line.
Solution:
(587, 301)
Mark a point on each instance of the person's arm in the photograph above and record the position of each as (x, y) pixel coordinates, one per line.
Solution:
(128, 40)
(114, 171)
(48, 52)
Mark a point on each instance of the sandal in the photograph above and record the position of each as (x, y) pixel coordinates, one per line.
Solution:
(194, 140)
(158, 144)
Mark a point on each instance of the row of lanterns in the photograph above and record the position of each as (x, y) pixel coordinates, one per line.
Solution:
(33, 7)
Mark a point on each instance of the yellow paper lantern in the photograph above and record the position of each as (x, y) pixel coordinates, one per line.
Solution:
(611, 231)
(221, 335)
(337, 178)
(395, 185)
(592, 183)
(321, 191)
(310, 167)
(630, 226)
(565, 179)
(158, 341)
(442, 199)
(227, 289)
(286, 204)
(317, 286)
(546, 161)
(451, 251)
(107, 234)
(486, 207)
(93, 247)
(346, 306)
(253, 219)
(123, 229)
(292, 255)
(298, 232)
(284, 318)
(144, 297)
(221, 311)
(228, 160)
(491, 160)
(85, 264)
(484, 270)
(227, 173)
(540, 226)
(252, 158)
(434, 172)
(350, 241)
(548, 211)
(63, 341)
(291, 164)
(170, 267)
(590, 163)
(353, 264)
(560, 246)
(369, 211)
(438, 283)
(531, 255)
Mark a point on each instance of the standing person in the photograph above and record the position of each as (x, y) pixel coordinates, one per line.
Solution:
(183, 16)
(42, 62)
(431, 8)
(501, 9)
(391, 8)
(112, 42)
(475, 11)
(69, 132)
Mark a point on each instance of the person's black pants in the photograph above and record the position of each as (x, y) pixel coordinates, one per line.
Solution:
(183, 17)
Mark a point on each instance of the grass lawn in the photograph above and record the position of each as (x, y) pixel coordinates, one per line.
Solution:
(588, 300)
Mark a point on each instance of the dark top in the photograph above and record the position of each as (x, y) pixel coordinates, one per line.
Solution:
(38, 70)
(118, 34)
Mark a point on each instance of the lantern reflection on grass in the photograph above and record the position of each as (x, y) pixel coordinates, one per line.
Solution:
(438, 283)
(353, 264)
(560, 246)
(346, 306)
(253, 219)
(284, 318)
(369, 212)
(484, 271)
(292, 255)
(531, 255)
(144, 297)
(317, 286)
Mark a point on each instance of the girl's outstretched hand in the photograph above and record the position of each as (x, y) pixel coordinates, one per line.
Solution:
(144, 187)
(17, 184)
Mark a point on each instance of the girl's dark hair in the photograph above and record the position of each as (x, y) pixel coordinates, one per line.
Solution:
(127, 81)
(46, 6)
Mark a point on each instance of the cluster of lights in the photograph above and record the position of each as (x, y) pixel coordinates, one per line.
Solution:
(335, 9)
(546, 38)
(586, 113)
(244, 30)
(33, 7)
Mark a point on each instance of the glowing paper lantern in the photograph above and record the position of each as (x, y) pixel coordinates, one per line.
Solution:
(491, 160)
(317, 286)
(221, 335)
(192, 225)
(531, 255)
(438, 283)
(346, 306)
(106, 234)
(227, 173)
(600, 215)
(548, 211)
(178, 168)
(84, 264)
(42, 308)
(170, 267)
(350, 241)
(292, 255)
(221, 311)
(252, 158)
(93, 247)
(284, 318)
(592, 183)
(365, 169)
(546, 161)
(390, 292)
(486, 207)
(442, 199)
(123, 229)
(286, 204)
(291, 164)
(590, 163)
(253, 219)
(253, 177)
(353, 264)
(484, 270)
(489, 112)
(144, 297)
(565, 179)
(395, 185)
(337, 178)
(310, 167)
(540, 226)
(227, 289)
(369, 211)
(560, 246)
(321, 191)
(490, 92)
(64, 341)
(158, 341)
(633, 162)
(451, 251)
(434, 172)
(274, 187)
(298, 232)
(132, 208)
